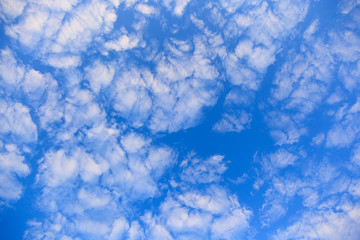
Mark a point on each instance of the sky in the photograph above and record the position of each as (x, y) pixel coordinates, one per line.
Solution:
(179, 119)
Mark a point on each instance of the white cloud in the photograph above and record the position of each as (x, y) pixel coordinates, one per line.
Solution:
(239, 97)
(232, 5)
(346, 129)
(67, 61)
(347, 46)
(258, 58)
(231, 226)
(56, 168)
(93, 200)
(97, 188)
(84, 22)
(190, 211)
(90, 169)
(60, 30)
(203, 171)
(135, 231)
(311, 29)
(92, 228)
(132, 98)
(325, 224)
(282, 159)
(52, 110)
(233, 122)
(318, 139)
(100, 75)
(177, 6)
(123, 43)
(200, 215)
(174, 96)
(15, 119)
(10, 71)
(30, 27)
(11, 9)
(284, 129)
(346, 6)
(40, 90)
(33, 81)
(133, 142)
(119, 228)
(356, 155)
(146, 9)
(158, 160)
(340, 137)
(12, 167)
(241, 75)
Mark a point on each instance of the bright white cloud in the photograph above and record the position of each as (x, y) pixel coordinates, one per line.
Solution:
(103, 99)
(325, 224)
(233, 122)
(146, 9)
(12, 166)
(15, 120)
(58, 167)
(203, 171)
(123, 43)
(177, 6)
(11, 9)
(10, 72)
(57, 30)
(100, 75)
(133, 142)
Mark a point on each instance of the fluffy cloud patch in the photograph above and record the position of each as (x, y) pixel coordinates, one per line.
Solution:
(12, 167)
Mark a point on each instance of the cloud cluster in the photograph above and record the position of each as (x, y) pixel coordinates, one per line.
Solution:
(88, 90)
(12, 166)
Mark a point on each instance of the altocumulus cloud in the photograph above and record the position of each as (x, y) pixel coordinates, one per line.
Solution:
(179, 119)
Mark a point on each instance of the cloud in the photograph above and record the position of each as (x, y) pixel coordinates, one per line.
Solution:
(259, 25)
(96, 183)
(311, 29)
(40, 91)
(232, 5)
(173, 97)
(15, 120)
(356, 155)
(346, 6)
(123, 43)
(131, 97)
(345, 130)
(120, 227)
(201, 215)
(177, 6)
(65, 61)
(233, 122)
(12, 167)
(203, 171)
(280, 182)
(325, 224)
(58, 32)
(282, 158)
(11, 73)
(11, 9)
(100, 75)
(57, 168)
(90, 91)
(133, 143)
(191, 211)
(146, 9)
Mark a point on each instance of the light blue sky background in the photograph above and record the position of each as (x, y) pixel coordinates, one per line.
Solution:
(179, 119)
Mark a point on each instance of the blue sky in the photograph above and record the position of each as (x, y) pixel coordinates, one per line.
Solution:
(179, 119)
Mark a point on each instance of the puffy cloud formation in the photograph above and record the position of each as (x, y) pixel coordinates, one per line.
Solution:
(12, 165)
(179, 119)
